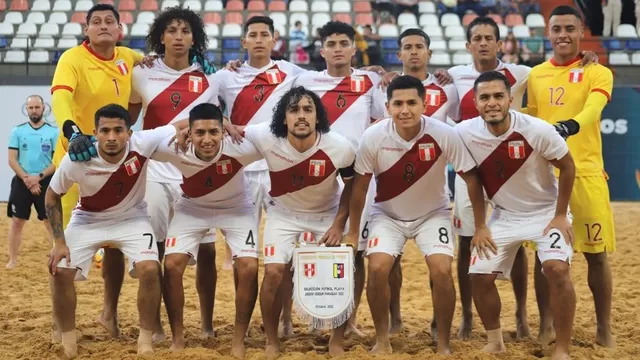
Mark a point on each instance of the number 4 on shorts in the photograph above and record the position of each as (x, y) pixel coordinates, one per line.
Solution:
(250, 240)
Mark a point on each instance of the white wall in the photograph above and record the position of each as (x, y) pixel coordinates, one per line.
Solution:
(12, 100)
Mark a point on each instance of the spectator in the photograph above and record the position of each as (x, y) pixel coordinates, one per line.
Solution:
(612, 11)
(527, 7)
(402, 6)
(488, 7)
(361, 58)
(511, 50)
(533, 49)
(469, 5)
(447, 6)
(373, 45)
(313, 49)
(380, 6)
(279, 51)
(297, 36)
(31, 147)
(385, 17)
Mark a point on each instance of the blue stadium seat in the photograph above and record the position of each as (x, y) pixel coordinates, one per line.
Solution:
(633, 45)
(3, 42)
(547, 45)
(613, 44)
(210, 56)
(391, 59)
(137, 44)
(389, 44)
(229, 56)
(231, 44)
(56, 56)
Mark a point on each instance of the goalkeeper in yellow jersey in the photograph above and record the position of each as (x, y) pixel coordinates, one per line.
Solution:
(572, 98)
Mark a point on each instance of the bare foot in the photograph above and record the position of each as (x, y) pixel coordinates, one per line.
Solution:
(335, 347)
(560, 355)
(110, 325)
(145, 349)
(351, 328)
(466, 326)
(11, 265)
(547, 336)
(158, 337)
(605, 339)
(70, 351)
(494, 348)
(443, 350)
(382, 348)
(395, 327)
(522, 331)
(207, 334)
(434, 330)
(272, 352)
(177, 344)
(285, 329)
(238, 351)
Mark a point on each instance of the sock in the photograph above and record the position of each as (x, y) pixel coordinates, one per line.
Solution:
(144, 341)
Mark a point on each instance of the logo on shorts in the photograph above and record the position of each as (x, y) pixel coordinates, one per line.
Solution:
(338, 270)
(170, 242)
(308, 237)
(223, 167)
(316, 168)
(132, 166)
(269, 250)
(373, 242)
(516, 150)
(310, 270)
(427, 151)
(457, 223)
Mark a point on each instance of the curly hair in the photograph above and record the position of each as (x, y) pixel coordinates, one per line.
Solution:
(288, 100)
(160, 24)
(336, 27)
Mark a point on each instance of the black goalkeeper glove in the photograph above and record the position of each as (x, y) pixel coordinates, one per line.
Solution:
(81, 146)
(567, 128)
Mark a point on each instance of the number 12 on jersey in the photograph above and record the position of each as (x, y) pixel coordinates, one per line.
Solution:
(556, 95)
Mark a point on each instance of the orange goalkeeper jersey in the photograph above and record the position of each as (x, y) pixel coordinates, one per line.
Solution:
(561, 92)
(84, 82)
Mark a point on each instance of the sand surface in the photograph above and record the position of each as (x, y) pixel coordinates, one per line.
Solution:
(25, 311)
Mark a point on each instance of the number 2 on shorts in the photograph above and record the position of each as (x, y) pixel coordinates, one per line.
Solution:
(556, 237)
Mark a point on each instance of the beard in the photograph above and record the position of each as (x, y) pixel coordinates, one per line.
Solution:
(35, 118)
(301, 136)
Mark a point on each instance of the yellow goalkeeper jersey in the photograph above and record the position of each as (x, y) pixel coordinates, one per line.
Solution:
(559, 92)
(84, 82)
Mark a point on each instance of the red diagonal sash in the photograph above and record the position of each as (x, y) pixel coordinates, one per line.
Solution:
(468, 108)
(116, 188)
(429, 110)
(173, 100)
(406, 171)
(254, 94)
(337, 100)
(499, 167)
(299, 176)
(211, 178)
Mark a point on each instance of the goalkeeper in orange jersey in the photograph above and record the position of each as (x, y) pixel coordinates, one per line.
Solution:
(572, 98)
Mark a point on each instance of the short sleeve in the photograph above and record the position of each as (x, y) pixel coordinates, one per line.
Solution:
(602, 81)
(147, 141)
(548, 142)
(14, 139)
(378, 108)
(247, 151)
(258, 135)
(453, 99)
(65, 77)
(214, 87)
(366, 154)
(63, 178)
(457, 153)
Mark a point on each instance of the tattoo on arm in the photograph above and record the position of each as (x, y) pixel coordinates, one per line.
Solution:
(54, 215)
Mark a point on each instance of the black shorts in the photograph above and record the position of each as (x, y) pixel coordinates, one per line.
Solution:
(21, 199)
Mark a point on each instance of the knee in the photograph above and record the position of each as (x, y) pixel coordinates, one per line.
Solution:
(378, 268)
(556, 271)
(273, 273)
(17, 223)
(247, 268)
(174, 264)
(596, 260)
(147, 271)
(482, 281)
(440, 271)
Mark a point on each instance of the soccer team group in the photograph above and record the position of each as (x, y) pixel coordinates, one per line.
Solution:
(343, 156)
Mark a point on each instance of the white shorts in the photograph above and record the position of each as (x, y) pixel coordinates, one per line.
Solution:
(509, 232)
(432, 233)
(134, 237)
(160, 198)
(282, 231)
(463, 221)
(259, 185)
(365, 223)
(189, 226)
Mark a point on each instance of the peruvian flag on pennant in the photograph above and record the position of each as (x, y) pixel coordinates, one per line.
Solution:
(309, 270)
(433, 97)
(223, 167)
(357, 83)
(575, 76)
(516, 149)
(269, 250)
(132, 166)
(273, 76)
(122, 67)
(427, 151)
(195, 84)
(316, 168)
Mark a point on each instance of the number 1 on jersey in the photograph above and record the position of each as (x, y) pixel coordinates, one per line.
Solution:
(115, 83)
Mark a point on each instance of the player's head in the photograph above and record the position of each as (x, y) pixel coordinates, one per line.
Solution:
(338, 45)
(35, 108)
(414, 50)
(113, 129)
(103, 26)
(205, 129)
(565, 31)
(299, 113)
(492, 96)
(483, 39)
(405, 104)
(176, 31)
(258, 37)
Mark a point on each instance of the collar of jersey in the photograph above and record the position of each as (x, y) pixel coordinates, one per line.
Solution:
(423, 81)
(571, 62)
(499, 67)
(409, 144)
(353, 72)
(311, 149)
(266, 67)
(85, 44)
(164, 67)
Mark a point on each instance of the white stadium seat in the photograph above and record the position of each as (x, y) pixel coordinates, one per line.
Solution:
(125, 29)
(44, 43)
(169, 3)
(535, 21)
(27, 29)
(298, 6)
(194, 5)
(41, 5)
(426, 7)
(14, 56)
(458, 45)
(72, 29)
(39, 57)
(58, 18)
(145, 17)
(67, 42)
(449, 19)
(438, 45)
(440, 59)
(456, 32)
(35, 17)
(213, 44)
(62, 5)
(521, 32)
(281, 28)
(429, 20)
(434, 32)
(213, 5)
(407, 27)
(49, 29)
(13, 17)
(504, 31)
(320, 6)
(340, 6)
(320, 18)
(84, 5)
(278, 18)
(20, 43)
(462, 58)
(212, 30)
(619, 58)
(635, 58)
(388, 30)
(6, 29)
(139, 29)
(231, 30)
(626, 31)
(407, 19)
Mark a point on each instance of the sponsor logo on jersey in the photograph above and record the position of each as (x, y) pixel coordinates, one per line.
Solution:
(310, 270)
(273, 76)
(433, 97)
(427, 151)
(195, 84)
(132, 166)
(122, 67)
(516, 150)
(316, 168)
(357, 83)
(224, 167)
(575, 76)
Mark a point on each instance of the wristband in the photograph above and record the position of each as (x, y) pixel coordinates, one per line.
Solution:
(69, 128)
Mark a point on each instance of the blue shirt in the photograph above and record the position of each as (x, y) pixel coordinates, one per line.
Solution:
(35, 146)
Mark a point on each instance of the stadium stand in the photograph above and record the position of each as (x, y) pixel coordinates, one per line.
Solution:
(39, 30)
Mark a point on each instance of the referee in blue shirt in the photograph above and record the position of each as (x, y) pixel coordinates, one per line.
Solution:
(31, 146)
